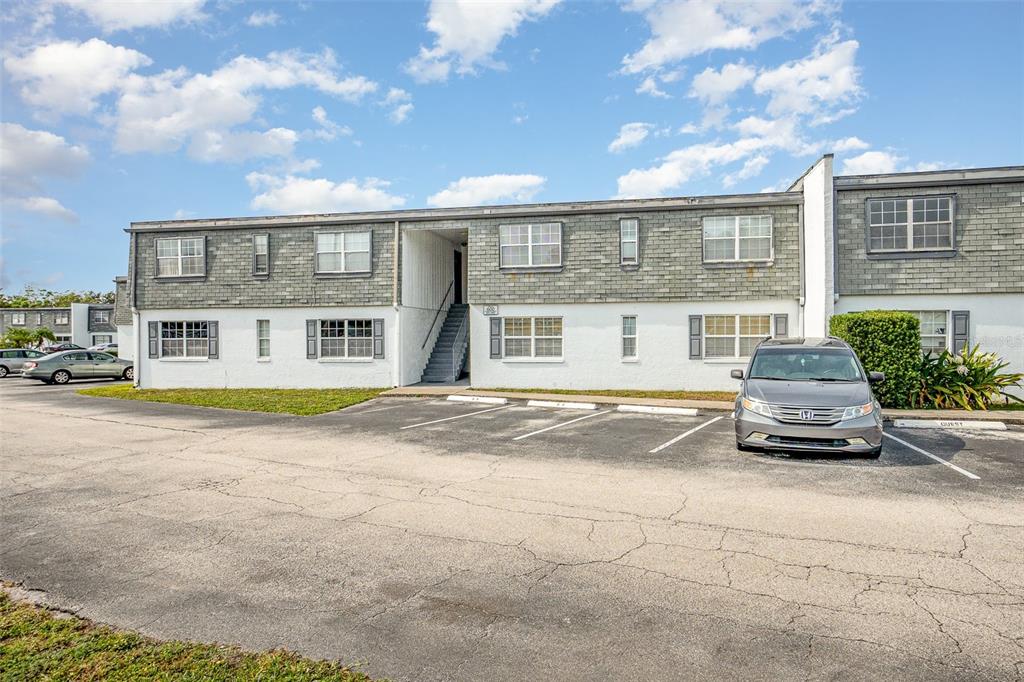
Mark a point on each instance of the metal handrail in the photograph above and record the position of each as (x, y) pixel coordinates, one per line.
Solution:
(439, 309)
(457, 357)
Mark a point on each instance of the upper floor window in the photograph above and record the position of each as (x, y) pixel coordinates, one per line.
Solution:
(629, 237)
(261, 254)
(101, 316)
(338, 252)
(530, 245)
(17, 318)
(737, 238)
(62, 317)
(181, 257)
(915, 224)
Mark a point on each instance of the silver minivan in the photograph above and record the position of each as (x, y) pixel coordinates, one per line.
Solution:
(12, 359)
(808, 394)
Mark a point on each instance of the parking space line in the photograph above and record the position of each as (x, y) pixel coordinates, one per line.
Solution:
(458, 416)
(560, 425)
(684, 435)
(952, 466)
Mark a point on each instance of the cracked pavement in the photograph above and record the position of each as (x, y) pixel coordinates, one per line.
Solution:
(450, 553)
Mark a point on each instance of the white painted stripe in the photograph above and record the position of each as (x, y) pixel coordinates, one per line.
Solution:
(458, 416)
(964, 425)
(565, 405)
(656, 409)
(684, 435)
(558, 426)
(952, 466)
(478, 399)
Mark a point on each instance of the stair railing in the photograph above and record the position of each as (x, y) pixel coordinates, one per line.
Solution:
(444, 300)
(460, 337)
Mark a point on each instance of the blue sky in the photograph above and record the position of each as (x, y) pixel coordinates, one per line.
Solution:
(115, 112)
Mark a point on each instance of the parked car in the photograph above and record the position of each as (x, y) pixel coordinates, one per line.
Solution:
(58, 347)
(60, 368)
(809, 395)
(105, 348)
(12, 359)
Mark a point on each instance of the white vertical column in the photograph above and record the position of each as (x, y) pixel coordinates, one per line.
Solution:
(818, 251)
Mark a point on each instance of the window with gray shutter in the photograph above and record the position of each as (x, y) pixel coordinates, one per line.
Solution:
(154, 339)
(781, 326)
(378, 339)
(311, 330)
(213, 339)
(495, 337)
(695, 336)
(961, 330)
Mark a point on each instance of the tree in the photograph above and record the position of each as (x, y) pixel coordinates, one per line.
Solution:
(45, 298)
(19, 337)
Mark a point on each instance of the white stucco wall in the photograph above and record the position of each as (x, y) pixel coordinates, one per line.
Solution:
(125, 341)
(80, 325)
(592, 347)
(288, 367)
(818, 285)
(996, 323)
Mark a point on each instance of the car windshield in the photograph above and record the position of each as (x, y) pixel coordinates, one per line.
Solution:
(805, 364)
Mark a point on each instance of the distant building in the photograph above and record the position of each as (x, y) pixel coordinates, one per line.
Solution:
(84, 324)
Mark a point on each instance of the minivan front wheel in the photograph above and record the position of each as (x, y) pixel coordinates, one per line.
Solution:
(128, 374)
(61, 376)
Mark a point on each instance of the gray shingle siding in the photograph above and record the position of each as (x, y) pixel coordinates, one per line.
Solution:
(122, 308)
(49, 317)
(989, 257)
(229, 281)
(670, 268)
(101, 327)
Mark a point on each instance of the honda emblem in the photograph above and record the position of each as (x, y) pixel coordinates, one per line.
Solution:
(807, 415)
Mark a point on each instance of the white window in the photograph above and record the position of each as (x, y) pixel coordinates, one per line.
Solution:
(915, 224)
(629, 336)
(737, 238)
(62, 317)
(102, 338)
(734, 336)
(530, 245)
(933, 330)
(180, 257)
(342, 252)
(18, 318)
(184, 340)
(261, 254)
(263, 338)
(629, 231)
(39, 318)
(532, 337)
(101, 316)
(346, 338)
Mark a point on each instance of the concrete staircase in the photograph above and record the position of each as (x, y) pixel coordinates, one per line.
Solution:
(448, 357)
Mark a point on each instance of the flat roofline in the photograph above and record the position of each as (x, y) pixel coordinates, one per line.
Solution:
(955, 176)
(501, 211)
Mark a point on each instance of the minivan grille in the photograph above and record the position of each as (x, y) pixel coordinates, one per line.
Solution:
(807, 415)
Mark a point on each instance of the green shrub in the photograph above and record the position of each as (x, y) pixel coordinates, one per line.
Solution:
(886, 341)
(968, 380)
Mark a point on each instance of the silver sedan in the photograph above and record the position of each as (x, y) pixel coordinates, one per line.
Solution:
(60, 368)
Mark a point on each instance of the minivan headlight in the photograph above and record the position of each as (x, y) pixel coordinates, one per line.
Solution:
(757, 407)
(858, 411)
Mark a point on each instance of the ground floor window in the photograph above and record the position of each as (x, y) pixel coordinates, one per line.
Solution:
(734, 336)
(102, 338)
(184, 340)
(934, 327)
(62, 338)
(532, 337)
(346, 338)
(263, 338)
(629, 336)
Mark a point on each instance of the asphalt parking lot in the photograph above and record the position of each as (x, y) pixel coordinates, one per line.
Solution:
(428, 539)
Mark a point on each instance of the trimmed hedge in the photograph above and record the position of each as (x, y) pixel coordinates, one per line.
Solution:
(885, 341)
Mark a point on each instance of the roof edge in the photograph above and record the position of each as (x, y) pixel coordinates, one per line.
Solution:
(933, 177)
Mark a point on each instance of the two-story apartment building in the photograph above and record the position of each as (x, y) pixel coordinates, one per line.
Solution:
(84, 324)
(652, 293)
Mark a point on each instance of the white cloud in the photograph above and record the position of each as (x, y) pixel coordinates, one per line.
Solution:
(751, 169)
(119, 15)
(468, 33)
(47, 206)
(329, 130)
(848, 144)
(826, 78)
(649, 86)
(289, 194)
(68, 77)
(400, 113)
(26, 155)
(259, 19)
(876, 162)
(488, 189)
(689, 129)
(715, 87)
(684, 28)
(683, 164)
(215, 145)
(630, 135)
(401, 105)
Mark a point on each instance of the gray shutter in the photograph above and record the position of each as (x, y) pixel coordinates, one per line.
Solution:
(378, 339)
(781, 326)
(695, 336)
(213, 338)
(311, 326)
(154, 339)
(961, 330)
(495, 337)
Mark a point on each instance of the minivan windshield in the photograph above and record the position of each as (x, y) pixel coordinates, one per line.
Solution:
(805, 364)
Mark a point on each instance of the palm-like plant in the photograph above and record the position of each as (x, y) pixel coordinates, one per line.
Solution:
(968, 380)
(18, 337)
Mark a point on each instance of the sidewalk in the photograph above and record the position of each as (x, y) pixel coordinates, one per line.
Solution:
(1007, 416)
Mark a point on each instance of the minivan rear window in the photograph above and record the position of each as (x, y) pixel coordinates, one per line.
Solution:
(805, 364)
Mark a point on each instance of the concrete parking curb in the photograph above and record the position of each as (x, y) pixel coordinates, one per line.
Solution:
(566, 405)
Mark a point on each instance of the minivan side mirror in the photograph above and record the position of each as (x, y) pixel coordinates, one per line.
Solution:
(876, 377)
(736, 374)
